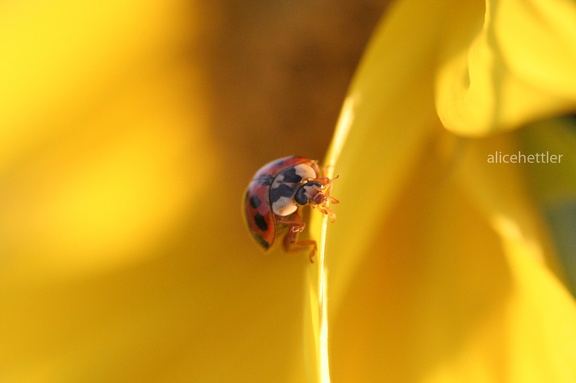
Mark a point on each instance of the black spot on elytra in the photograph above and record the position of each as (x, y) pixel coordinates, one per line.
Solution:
(260, 222)
(262, 241)
(291, 176)
(282, 190)
(255, 202)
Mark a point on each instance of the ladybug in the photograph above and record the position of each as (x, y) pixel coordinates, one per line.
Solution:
(275, 195)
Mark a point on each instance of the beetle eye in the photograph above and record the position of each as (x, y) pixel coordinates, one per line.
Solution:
(307, 192)
(301, 198)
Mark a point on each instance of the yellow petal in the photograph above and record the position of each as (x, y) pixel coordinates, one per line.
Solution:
(377, 143)
(440, 266)
(505, 65)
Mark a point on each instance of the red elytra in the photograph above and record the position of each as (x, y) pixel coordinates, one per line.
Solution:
(275, 196)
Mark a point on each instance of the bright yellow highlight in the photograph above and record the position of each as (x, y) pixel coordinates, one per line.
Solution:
(318, 300)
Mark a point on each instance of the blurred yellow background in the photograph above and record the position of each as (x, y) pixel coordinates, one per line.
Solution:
(128, 131)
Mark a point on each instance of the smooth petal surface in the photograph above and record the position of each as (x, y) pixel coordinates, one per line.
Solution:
(441, 265)
(505, 64)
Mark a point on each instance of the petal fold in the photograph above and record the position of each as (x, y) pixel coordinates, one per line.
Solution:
(506, 65)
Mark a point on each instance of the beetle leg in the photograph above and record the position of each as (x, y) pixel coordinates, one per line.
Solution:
(295, 227)
(292, 245)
